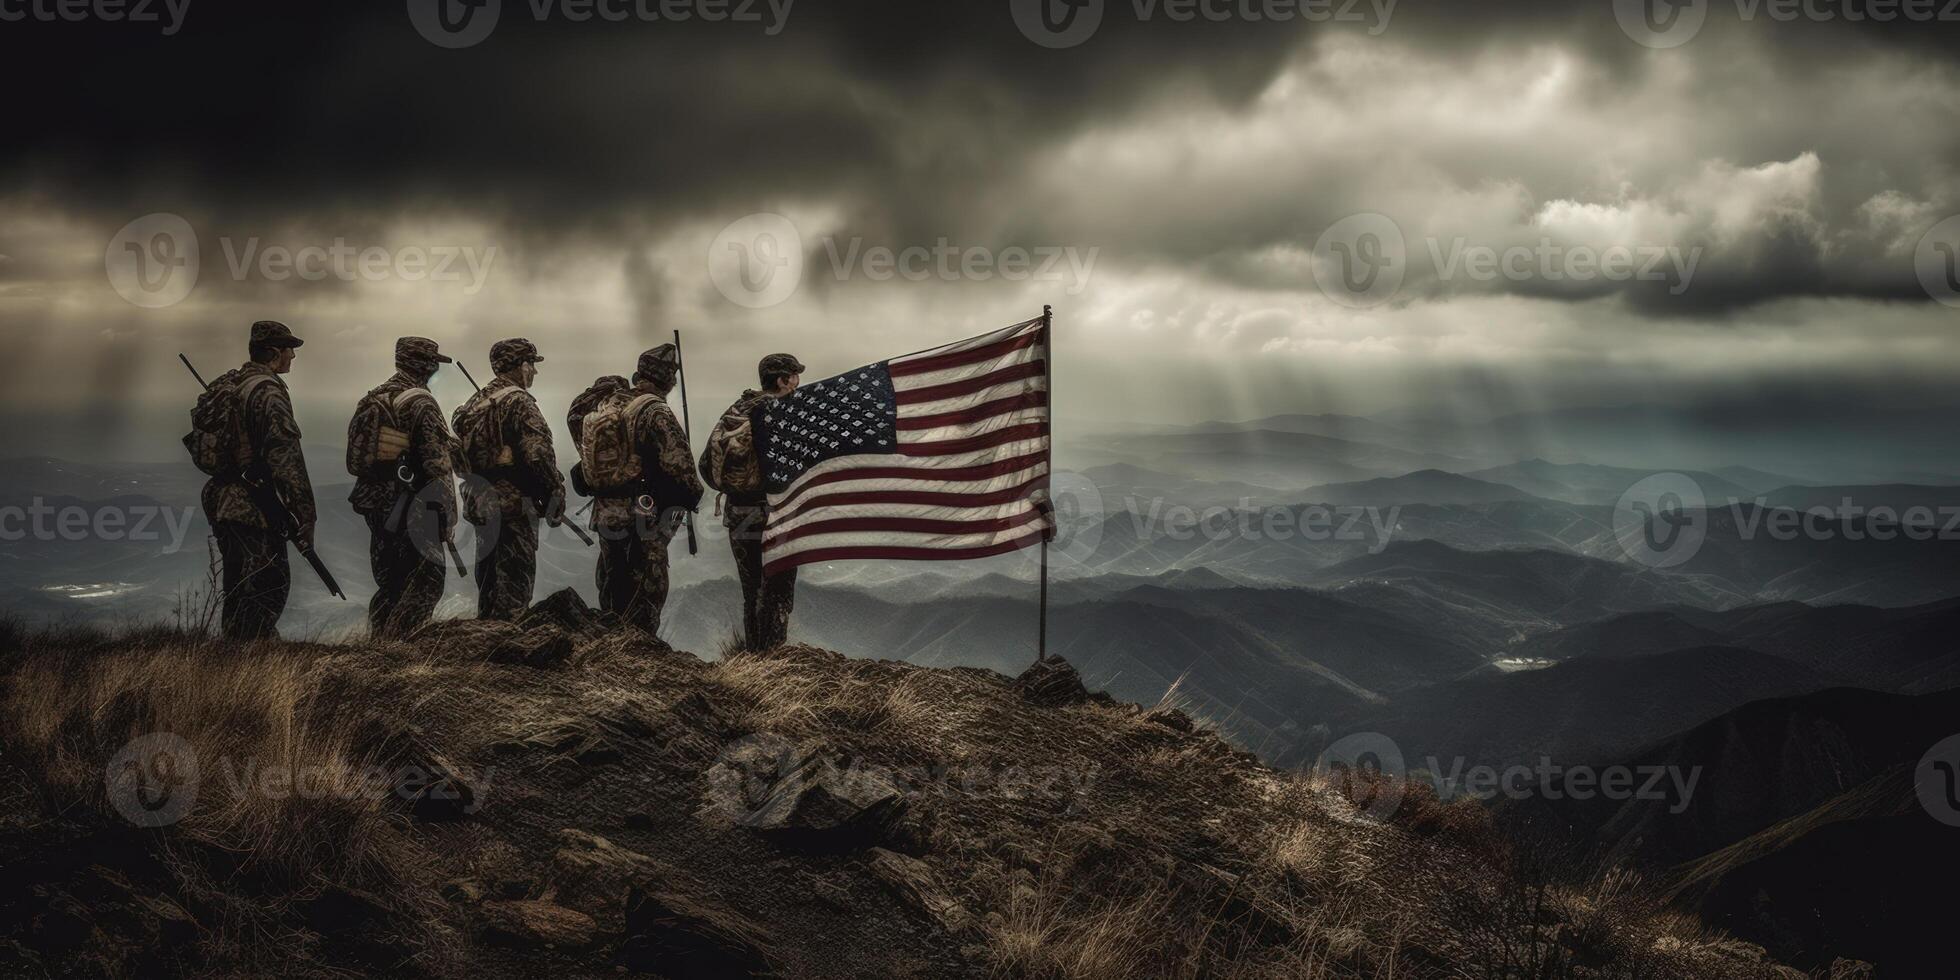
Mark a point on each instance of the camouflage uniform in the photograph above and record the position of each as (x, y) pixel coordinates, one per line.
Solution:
(257, 575)
(767, 600)
(632, 573)
(407, 559)
(505, 502)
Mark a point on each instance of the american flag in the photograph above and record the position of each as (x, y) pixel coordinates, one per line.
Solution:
(934, 455)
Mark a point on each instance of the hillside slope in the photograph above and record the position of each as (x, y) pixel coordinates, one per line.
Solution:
(558, 797)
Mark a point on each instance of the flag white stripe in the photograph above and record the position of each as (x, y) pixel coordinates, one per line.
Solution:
(961, 372)
(981, 397)
(798, 514)
(972, 342)
(896, 539)
(1019, 447)
(980, 427)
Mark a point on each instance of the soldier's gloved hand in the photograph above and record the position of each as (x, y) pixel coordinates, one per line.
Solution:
(306, 536)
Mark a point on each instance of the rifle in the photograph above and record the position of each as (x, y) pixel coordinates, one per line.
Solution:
(680, 368)
(575, 529)
(398, 517)
(266, 496)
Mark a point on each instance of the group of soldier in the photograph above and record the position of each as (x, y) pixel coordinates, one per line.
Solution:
(407, 466)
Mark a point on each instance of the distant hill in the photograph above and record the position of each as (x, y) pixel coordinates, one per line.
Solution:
(1587, 483)
(1267, 457)
(1762, 762)
(1915, 649)
(1420, 487)
(1941, 503)
(1585, 711)
(1853, 877)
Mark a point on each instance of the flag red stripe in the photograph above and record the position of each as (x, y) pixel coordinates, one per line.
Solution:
(953, 389)
(902, 554)
(940, 362)
(928, 498)
(978, 472)
(985, 410)
(922, 525)
(950, 447)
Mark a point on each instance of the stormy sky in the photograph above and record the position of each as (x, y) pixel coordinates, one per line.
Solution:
(1236, 208)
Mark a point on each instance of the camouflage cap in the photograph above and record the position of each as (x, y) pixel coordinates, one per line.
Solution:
(779, 364)
(272, 333)
(420, 351)
(507, 354)
(664, 359)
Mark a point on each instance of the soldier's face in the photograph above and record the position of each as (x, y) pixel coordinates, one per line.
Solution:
(787, 385)
(284, 362)
(526, 374)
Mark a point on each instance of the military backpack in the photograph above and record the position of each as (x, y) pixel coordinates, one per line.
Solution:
(217, 442)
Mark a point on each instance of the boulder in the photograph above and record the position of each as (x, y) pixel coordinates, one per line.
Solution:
(566, 611)
(912, 883)
(819, 803)
(681, 935)
(529, 923)
(1051, 683)
(1170, 718)
(543, 646)
(594, 875)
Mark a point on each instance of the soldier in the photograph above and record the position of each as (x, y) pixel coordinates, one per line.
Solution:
(645, 486)
(401, 456)
(507, 446)
(731, 466)
(257, 577)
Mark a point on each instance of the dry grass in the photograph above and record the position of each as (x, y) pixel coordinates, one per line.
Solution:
(801, 691)
(277, 794)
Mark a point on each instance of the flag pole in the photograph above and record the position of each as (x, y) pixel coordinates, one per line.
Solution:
(1048, 377)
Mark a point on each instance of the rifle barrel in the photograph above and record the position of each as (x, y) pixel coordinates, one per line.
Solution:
(687, 427)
